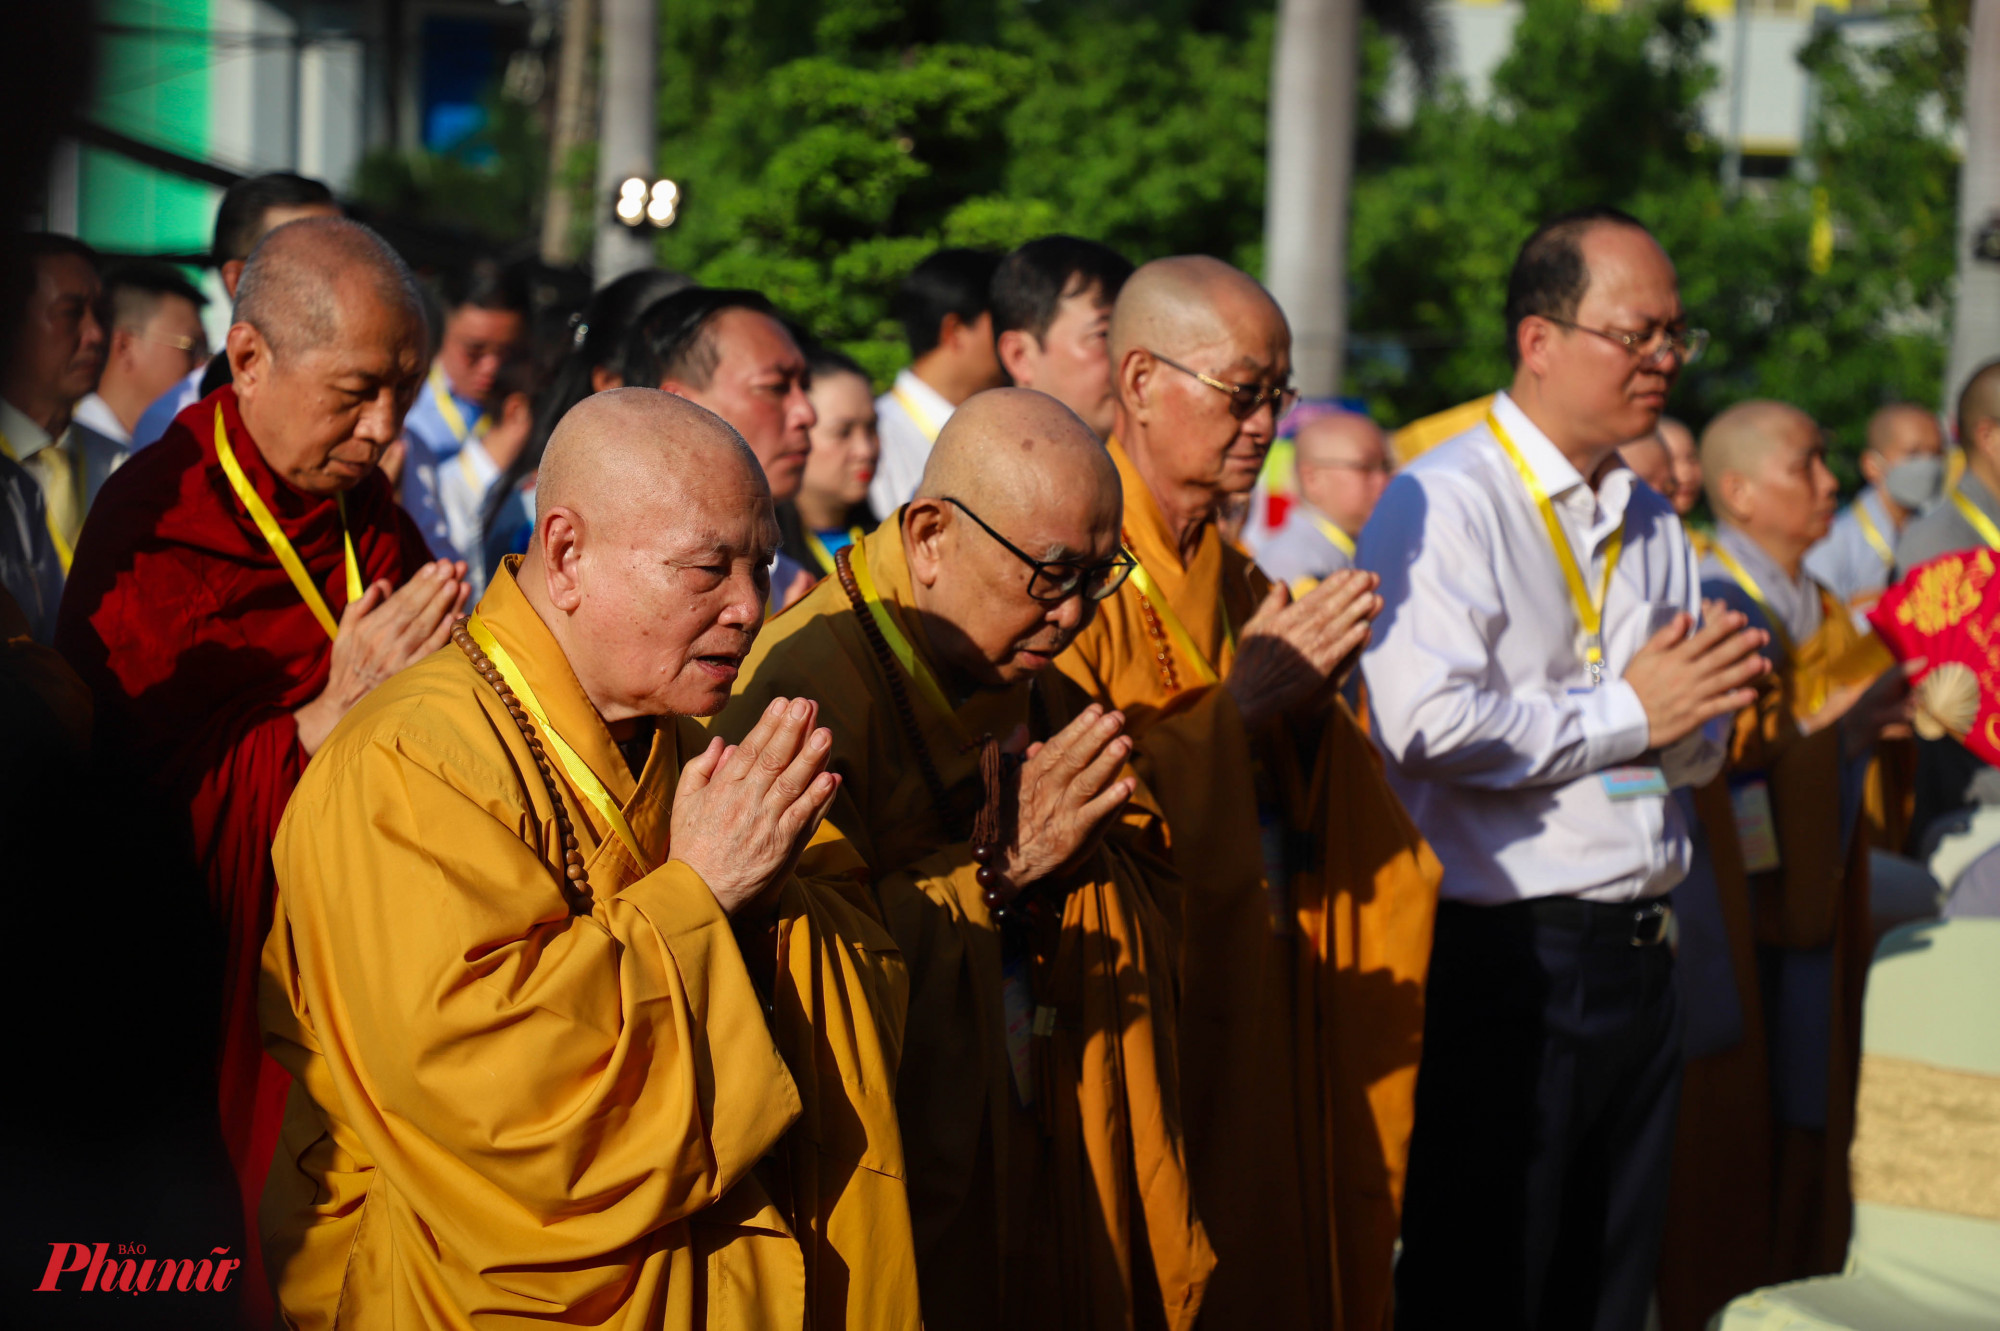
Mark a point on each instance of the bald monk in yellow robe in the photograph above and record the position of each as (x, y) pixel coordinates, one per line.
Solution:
(1759, 1190)
(1039, 1098)
(1309, 895)
(571, 1044)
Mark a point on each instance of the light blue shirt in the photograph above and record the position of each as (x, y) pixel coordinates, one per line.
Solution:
(1847, 561)
(154, 420)
(433, 445)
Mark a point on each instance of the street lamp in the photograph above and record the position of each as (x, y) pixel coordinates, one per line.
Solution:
(647, 203)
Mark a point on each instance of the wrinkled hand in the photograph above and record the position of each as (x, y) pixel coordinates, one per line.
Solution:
(379, 634)
(1291, 651)
(745, 811)
(1069, 792)
(1686, 677)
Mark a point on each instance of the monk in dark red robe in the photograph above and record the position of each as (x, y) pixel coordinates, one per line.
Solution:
(223, 626)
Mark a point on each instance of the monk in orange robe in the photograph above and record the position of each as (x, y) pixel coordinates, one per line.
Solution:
(1309, 894)
(246, 580)
(1759, 1190)
(1039, 1097)
(570, 1043)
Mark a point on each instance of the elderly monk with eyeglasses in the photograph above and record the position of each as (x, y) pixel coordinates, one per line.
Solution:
(1022, 869)
(1308, 898)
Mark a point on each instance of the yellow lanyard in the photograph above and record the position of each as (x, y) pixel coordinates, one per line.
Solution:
(920, 417)
(65, 554)
(823, 555)
(281, 545)
(1589, 613)
(454, 419)
(1874, 536)
(1149, 589)
(1755, 593)
(1980, 522)
(581, 776)
(1341, 539)
(913, 665)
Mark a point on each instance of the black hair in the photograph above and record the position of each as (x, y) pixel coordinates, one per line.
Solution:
(18, 282)
(239, 222)
(1549, 277)
(824, 360)
(138, 286)
(670, 340)
(487, 284)
(955, 281)
(1031, 284)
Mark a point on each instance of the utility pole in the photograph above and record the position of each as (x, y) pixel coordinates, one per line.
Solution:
(1975, 320)
(1315, 67)
(627, 123)
(572, 129)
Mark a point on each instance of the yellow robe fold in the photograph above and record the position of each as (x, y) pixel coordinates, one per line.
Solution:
(1754, 1202)
(504, 1114)
(1301, 1007)
(1074, 1211)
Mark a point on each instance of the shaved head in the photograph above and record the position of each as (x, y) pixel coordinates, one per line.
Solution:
(1337, 437)
(1650, 459)
(1764, 464)
(1027, 468)
(654, 533)
(305, 277)
(1904, 429)
(1979, 402)
(1014, 451)
(1343, 464)
(1194, 343)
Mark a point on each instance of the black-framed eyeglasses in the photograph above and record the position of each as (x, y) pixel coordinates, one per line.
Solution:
(1651, 347)
(1244, 399)
(1056, 580)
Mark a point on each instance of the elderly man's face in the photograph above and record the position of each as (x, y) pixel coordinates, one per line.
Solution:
(60, 350)
(1194, 424)
(322, 413)
(973, 591)
(760, 387)
(673, 593)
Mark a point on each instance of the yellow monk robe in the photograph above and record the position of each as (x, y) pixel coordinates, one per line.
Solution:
(1755, 1201)
(1421, 436)
(1298, 1178)
(1045, 1216)
(506, 1114)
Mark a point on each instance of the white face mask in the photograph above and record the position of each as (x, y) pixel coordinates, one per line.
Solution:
(1915, 482)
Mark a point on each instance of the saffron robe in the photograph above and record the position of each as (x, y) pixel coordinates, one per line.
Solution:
(1301, 1001)
(1025, 1216)
(1756, 1201)
(197, 649)
(504, 1113)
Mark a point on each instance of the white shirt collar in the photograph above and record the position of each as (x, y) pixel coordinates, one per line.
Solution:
(1557, 475)
(26, 437)
(925, 396)
(96, 413)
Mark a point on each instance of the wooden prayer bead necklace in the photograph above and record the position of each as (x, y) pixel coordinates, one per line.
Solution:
(576, 881)
(988, 835)
(1163, 651)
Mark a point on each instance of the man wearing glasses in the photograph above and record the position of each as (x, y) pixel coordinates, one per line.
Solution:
(1541, 678)
(1343, 464)
(1021, 868)
(156, 341)
(1305, 918)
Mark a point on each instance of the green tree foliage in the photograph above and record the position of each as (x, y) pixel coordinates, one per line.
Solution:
(1591, 107)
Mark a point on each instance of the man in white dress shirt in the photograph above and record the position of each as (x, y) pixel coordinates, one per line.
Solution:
(1540, 685)
(945, 307)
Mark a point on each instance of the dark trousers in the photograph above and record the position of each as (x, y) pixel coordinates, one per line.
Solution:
(1545, 1122)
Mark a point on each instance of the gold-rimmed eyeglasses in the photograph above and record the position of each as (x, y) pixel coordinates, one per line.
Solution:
(1651, 347)
(1244, 399)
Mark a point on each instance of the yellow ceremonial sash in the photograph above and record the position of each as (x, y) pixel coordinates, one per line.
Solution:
(454, 419)
(913, 665)
(824, 556)
(1203, 670)
(587, 782)
(65, 553)
(281, 545)
(918, 416)
(1873, 535)
(1755, 593)
(1341, 540)
(1980, 522)
(1589, 612)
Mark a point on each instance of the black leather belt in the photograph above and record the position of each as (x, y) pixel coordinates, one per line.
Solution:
(1639, 923)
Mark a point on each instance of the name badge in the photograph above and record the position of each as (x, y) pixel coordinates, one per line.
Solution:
(1017, 1005)
(1756, 830)
(1633, 783)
